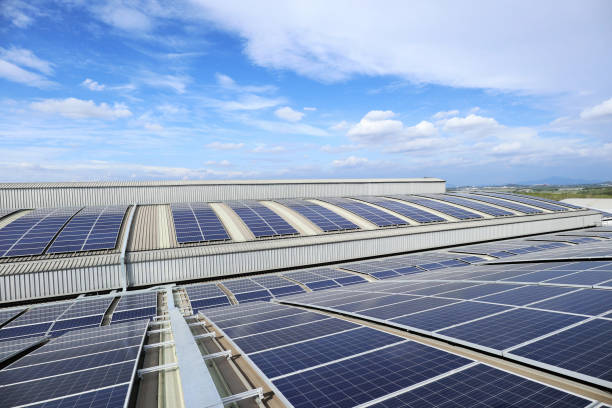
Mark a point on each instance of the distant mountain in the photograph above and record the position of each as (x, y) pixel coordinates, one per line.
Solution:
(558, 180)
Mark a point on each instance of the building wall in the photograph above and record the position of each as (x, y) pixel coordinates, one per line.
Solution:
(25, 195)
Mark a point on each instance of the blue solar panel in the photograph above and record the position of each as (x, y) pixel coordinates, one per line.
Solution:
(6, 315)
(77, 322)
(197, 222)
(375, 302)
(449, 315)
(142, 313)
(477, 291)
(322, 217)
(526, 294)
(324, 284)
(253, 296)
(273, 324)
(299, 356)
(262, 221)
(509, 329)
(264, 341)
(210, 302)
(451, 210)
(287, 290)
(366, 377)
(404, 209)
(474, 205)
(32, 233)
(526, 200)
(501, 203)
(372, 214)
(587, 301)
(92, 228)
(350, 280)
(584, 349)
(10, 348)
(400, 309)
(272, 314)
(113, 397)
(586, 278)
(483, 386)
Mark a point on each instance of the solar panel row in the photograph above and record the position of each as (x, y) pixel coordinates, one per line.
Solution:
(475, 205)
(409, 211)
(526, 200)
(453, 211)
(197, 222)
(262, 221)
(372, 214)
(322, 217)
(502, 203)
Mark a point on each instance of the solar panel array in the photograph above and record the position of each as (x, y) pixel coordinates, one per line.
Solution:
(314, 361)
(508, 248)
(526, 200)
(372, 214)
(93, 228)
(261, 288)
(262, 221)
(10, 348)
(82, 313)
(197, 222)
(502, 203)
(474, 205)
(136, 306)
(324, 278)
(406, 210)
(590, 250)
(206, 295)
(88, 367)
(322, 217)
(551, 315)
(391, 267)
(546, 200)
(451, 210)
(6, 315)
(36, 321)
(32, 233)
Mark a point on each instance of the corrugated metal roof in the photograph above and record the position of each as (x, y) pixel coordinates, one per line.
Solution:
(58, 264)
(91, 184)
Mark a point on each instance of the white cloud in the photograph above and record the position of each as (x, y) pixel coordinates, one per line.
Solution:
(286, 113)
(14, 73)
(246, 102)
(124, 18)
(225, 146)
(262, 148)
(309, 108)
(81, 109)
(153, 127)
(177, 83)
(470, 123)
(445, 114)
(26, 58)
(342, 125)
(603, 110)
(416, 145)
(351, 161)
(228, 83)
(377, 127)
(428, 42)
(341, 148)
(222, 163)
(18, 12)
(93, 85)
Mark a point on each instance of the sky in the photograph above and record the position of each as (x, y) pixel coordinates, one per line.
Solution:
(474, 92)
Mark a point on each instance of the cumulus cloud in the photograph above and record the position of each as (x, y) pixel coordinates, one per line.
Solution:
(92, 85)
(378, 127)
(351, 161)
(80, 109)
(286, 113)
(428, 42)
(470, 123)
(445, 114)
(603, 110)
(225, 146)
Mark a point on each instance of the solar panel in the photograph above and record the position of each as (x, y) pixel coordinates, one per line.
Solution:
(526, 294)
(475, 205)
(582, 350)
(404, 308)
(322, 217)
(32, 233)
(69, 372)
(35, 321)
(135, 306)
(262, 221)
(484, 386)
(546, 200)
(525, 200)
(10, 348)
(295, 357)
(203, 291)
(586, 301)
(6, 315)
(453, 211)
(409, 211)
(511, 328)
(372, 214)
(106, 397)
(271, 314)
(366, 377)
(92, 228)
(273, 324)
(197, 222)
(449, 315)
(501, 203)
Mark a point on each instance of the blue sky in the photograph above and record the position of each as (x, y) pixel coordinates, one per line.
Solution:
(493, 93)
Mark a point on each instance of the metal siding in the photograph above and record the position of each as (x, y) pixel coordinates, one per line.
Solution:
(46, 195)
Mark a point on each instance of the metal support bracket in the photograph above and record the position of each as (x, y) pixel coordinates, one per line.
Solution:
(205, 335)
(198, 323)
(167, 330)
(225, 353)
(255, 393)
(155, 369)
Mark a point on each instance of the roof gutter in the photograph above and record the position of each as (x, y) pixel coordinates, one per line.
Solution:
(126, 237)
